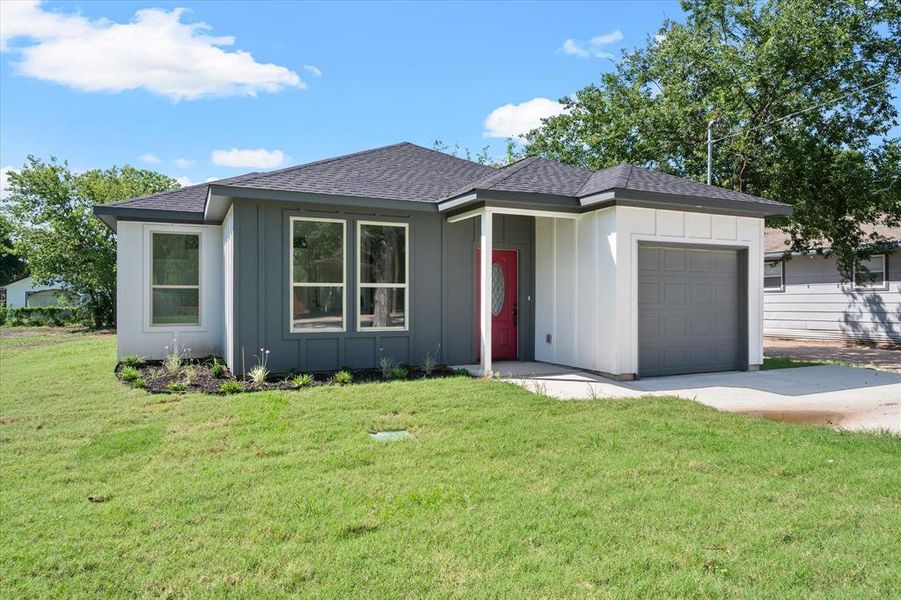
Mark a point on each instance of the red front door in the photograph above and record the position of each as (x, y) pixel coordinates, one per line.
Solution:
(504, 287)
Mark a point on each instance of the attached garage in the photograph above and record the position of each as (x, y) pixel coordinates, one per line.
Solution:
(690, 313)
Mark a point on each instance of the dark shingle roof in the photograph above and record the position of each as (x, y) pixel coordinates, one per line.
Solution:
(412, 173)
(191, 198)
(400, 172)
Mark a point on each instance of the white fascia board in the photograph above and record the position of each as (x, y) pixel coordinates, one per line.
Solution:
(450, 204)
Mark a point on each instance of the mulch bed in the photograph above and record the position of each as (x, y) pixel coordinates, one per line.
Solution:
(157, 380)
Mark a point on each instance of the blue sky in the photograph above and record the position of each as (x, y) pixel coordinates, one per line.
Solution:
(326, 79)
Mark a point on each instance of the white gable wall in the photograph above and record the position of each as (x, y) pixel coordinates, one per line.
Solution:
(17, 291)
(587, 287)
(135, 333)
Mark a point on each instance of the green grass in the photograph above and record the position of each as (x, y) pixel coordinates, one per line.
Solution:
(784, 362)
(501, 493)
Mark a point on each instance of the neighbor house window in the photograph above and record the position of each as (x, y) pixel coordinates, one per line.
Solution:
(317, 274)
(383, 263)
(175, 279)
(774, 276)
(874, 278)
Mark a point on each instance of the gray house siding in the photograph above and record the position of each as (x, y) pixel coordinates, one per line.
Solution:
(817, 304)
(441, 311)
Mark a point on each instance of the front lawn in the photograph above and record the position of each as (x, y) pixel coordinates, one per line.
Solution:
(113, 492)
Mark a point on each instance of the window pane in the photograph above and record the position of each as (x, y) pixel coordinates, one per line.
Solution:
(874, 264)
(176, 259)
(318, 307)
(874, 276)
(383, 254)
(382, 307)
(318, 252)
(175, 306)
(772, 283)
(772, 269)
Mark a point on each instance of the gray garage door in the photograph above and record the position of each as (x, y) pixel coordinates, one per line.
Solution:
(688, 310)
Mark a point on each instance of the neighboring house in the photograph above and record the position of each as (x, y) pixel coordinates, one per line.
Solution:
(624, 271)
(805, 297)
(24, 293)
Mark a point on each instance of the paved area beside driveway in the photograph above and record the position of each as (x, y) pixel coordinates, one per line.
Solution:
(843, 397)
(883, 357)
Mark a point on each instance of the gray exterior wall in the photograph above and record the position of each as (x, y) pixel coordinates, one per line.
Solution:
(442, 297)
(817, 304)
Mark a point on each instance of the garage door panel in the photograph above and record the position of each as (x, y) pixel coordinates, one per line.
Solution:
(687, 310)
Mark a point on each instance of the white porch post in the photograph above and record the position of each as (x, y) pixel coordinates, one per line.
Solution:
(486, 242)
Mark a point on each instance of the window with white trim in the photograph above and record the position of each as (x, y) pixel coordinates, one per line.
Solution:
(774, 276)
(874, 278)
(175, 279)
(383, 258)
(318, 272)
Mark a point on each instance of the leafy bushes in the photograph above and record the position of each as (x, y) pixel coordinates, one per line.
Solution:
(42, 316)
(231, 387)
(302, 381)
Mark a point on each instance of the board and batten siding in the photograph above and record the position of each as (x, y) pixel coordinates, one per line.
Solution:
(817, 304)
(134, 333)
(586, 312)
(441, 311)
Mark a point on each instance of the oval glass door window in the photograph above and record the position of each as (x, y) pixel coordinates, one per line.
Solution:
(497, 289)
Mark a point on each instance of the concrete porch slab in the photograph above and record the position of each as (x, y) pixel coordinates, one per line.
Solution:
(843, 397)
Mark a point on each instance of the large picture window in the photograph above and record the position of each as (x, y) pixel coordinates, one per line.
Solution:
(317, 274)
(175, 279)
(874, 278)
(383, 256)
(774, 276)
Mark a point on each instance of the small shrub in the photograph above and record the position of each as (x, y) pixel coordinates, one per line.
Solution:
(217, 369)
(129, 374)
(400, 372)
(176, 387)
(260, 371)
(430, 361)
(343, 377)
(386, 365)
(190, 373)
(174, 359)
(302, 381)
(132, 360)
(139, 384)
(231, 387)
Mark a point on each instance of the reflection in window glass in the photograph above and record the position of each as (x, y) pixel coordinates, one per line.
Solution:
(383, 276)
(773, 275)
(317, 275)
(175, 279)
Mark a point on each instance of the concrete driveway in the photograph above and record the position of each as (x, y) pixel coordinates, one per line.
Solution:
(843, 397)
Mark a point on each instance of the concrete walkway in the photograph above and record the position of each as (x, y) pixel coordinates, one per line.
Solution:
(843, 397)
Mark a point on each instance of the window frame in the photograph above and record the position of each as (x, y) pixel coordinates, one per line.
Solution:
(361, 286)
(873, 287)
(781, 287)
(150, 285)
(292, 284)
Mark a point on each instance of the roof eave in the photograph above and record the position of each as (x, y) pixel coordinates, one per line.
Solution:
(227, 191)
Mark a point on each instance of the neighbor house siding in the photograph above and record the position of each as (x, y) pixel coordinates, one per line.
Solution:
(590, 312)
(135, 335)
(816, 303)
(17, 292)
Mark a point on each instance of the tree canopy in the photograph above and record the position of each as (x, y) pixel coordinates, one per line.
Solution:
(55, 230)
(800, 92)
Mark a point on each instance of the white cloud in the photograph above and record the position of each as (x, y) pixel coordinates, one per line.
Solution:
(184, 181)
(515, 120)
(209, 179)
(184, 163)
(150, 158)
(155, 51)
(594, 46)
(4, 182)
(316, 71)
(256, 159)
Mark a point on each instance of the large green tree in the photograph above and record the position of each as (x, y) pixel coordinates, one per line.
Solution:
(12, 266)
(801, 95)
(51, 211)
